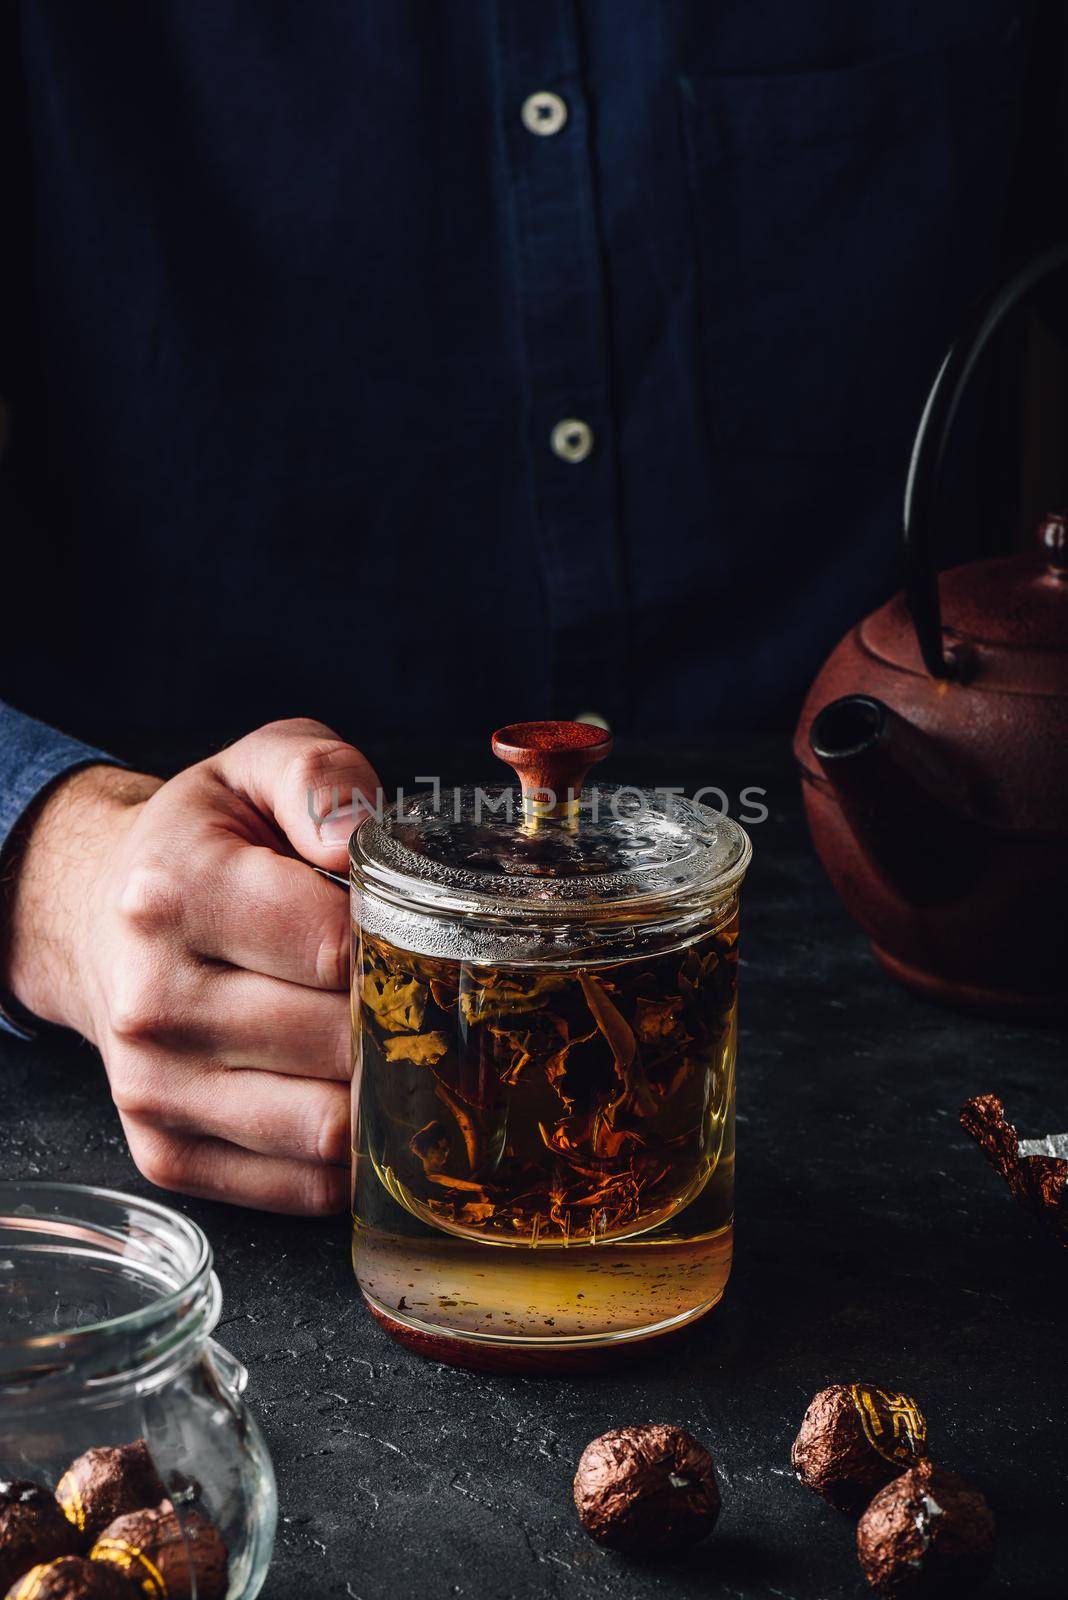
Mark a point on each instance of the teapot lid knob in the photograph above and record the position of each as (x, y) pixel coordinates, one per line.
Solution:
(551, 759)
(1053, 539)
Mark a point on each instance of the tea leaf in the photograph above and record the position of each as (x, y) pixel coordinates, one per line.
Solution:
(431, 1146)
(464, 1184)
(614, 1026)
(445, 994)
(621, 1041)
(397, 1004)
(421, 1049)
(657, 1020)
(465, 1121)
(498, 995)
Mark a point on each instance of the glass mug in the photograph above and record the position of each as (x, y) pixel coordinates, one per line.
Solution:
(544, 1036)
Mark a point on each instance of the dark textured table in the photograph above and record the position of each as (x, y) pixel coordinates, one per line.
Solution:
(873, 1242)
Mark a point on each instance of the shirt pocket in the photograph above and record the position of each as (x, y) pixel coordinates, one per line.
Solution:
(843, 220)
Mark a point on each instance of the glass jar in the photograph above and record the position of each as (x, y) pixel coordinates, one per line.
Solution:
(544, 1024)
(108, 1304)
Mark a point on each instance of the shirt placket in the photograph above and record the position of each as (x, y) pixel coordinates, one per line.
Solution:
(569, 426)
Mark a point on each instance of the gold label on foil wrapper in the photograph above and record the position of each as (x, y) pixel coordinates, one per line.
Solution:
(893, 1424)
(70, 1501)
(133, 1563)
(29, 1586)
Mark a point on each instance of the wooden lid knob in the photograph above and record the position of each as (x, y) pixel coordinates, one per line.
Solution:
(551, 759)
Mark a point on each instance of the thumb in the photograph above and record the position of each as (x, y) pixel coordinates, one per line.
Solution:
(314, 786)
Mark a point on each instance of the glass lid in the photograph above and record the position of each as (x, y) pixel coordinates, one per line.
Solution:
(551, 841)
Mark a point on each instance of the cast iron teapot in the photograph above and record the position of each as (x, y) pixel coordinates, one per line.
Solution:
(933, 745)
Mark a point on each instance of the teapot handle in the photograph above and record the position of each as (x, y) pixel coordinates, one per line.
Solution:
(932, 441)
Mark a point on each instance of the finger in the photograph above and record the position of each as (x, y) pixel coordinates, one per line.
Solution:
(239, 1018)
(272, 915)
(211, 1169)
(301, 1119)
(281, 1027)
(308, 780)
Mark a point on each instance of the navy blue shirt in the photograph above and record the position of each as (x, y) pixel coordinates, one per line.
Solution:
(464, 362)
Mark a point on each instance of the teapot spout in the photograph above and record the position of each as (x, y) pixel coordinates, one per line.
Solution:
(905, 803)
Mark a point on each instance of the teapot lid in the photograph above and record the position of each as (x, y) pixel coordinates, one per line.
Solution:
(1018, 601)
(548, 849)
(1015, 606)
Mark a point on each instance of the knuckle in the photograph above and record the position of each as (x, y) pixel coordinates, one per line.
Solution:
(135, 1013)
(136, 1093)
(162, 1160)
(148, 994)
(319, 759)
(331, 1135)
(332, 959)
(151, 897)
(344, 1055)
(294, 728)
(291, 744)
(323, 1191)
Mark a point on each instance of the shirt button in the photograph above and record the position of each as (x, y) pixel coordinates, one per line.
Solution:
(543, 113)
(571, 439)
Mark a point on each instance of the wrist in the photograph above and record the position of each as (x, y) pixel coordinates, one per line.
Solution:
(50, 871)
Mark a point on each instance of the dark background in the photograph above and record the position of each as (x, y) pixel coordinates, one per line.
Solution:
(873, 1244)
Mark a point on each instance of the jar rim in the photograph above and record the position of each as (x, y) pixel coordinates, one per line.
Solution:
(99, 1217)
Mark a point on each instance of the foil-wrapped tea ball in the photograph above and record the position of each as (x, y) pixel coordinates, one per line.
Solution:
(162, 1555)
(646, 1490)
(856, 1437)
(71, 1578)
(107, 1481)
(927, 1533)
(32, 1529)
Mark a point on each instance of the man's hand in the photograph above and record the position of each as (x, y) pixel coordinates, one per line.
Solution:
(173, 925)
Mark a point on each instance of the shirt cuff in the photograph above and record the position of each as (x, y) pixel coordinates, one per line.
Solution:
(32, 757)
